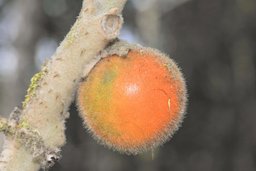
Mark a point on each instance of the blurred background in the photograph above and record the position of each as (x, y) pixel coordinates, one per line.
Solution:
(213, 41)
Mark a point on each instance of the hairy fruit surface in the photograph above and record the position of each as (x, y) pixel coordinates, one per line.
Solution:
(133, 103)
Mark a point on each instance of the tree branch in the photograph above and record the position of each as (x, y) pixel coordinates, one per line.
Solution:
(46, 105)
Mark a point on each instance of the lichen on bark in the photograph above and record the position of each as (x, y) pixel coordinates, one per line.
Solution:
(34, 85)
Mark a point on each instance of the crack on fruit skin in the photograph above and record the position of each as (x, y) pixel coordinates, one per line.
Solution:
(169, 104)
(158, 89)
(169, 99)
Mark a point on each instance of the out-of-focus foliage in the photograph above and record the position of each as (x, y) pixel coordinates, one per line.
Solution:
(212, 41)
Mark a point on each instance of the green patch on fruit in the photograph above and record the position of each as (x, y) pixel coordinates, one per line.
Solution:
(104, 90)
(109, 76)
(107, 128)
(101, 96)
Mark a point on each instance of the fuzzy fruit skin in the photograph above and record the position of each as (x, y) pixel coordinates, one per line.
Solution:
(133, 103)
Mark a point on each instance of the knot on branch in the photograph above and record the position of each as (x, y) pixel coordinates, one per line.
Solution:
(111, 24)
(29, 138)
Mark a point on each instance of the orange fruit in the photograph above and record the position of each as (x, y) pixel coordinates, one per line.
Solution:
(133, 103)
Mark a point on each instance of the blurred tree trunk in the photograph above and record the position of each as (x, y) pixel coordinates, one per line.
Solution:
(26, 17)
